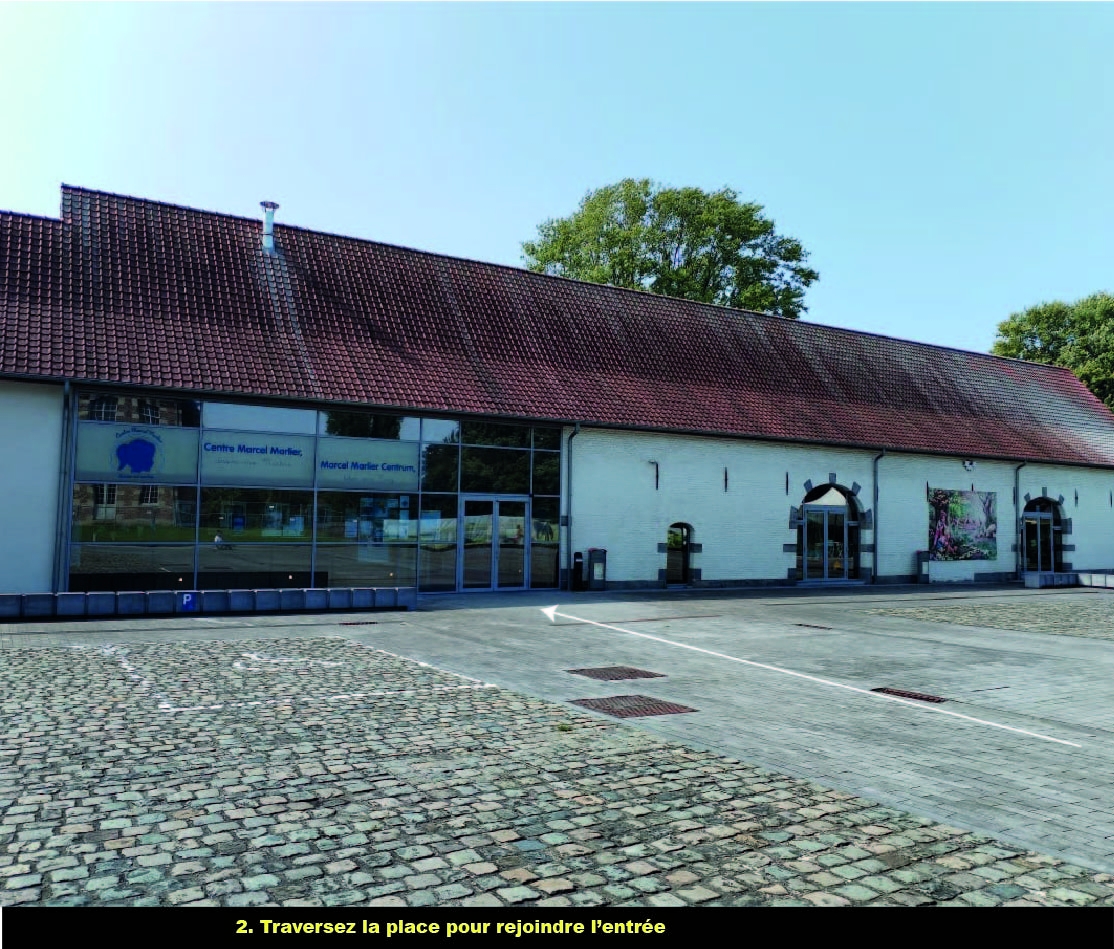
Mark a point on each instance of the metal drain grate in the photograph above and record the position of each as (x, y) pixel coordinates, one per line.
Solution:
(612, 673)
(370, 622)
(903, 694)
(811, 626)
(631, 706)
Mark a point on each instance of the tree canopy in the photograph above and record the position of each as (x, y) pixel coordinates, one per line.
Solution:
(678, 242)
(1078, 336)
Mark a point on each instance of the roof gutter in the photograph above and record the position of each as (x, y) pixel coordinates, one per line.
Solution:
(568, 507)
(874, 572)
(1017, 517)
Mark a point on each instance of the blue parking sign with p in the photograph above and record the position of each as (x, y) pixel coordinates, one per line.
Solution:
(187, 602)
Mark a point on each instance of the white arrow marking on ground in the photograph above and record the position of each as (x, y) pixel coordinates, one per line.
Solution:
(551, 612)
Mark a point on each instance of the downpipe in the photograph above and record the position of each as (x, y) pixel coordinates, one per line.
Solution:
(568, 508)
(874, 572)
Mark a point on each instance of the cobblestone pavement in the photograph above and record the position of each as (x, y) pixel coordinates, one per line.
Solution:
(1064, 616)
(318, 771)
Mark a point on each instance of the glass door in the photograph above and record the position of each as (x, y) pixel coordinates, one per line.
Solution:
(511, 556)
(830, 544)
(1039, 553)
(815, 522)
(494, 543)
(836, 545)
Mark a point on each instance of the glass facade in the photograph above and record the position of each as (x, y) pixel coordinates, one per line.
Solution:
(183, 494)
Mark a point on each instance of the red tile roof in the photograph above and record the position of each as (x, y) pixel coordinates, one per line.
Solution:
(137, 292)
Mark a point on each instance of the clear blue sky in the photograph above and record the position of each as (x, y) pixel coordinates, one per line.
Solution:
(945, 165)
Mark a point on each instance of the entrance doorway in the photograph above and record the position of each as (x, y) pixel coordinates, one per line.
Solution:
(494, 543)
(1043, 534)
(828, 538)
(678, 554)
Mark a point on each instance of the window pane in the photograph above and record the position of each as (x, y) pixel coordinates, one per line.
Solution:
(138, 410)
(367, 518)
(545, 536)
(440, 430)
(260, 418)
(233, 566)
(437, 557)
(125, 513)
(495, 471)
(439, 467)
(547, 472)
(245, 515)
(547, 438)
(130, 567)
(367, 565)
(492, 433)
(368, 425)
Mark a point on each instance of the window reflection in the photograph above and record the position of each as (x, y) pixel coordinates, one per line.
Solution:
(548, 438)
(367, 565)
(255, 515)
(96, 567)
(253, 566)
(140, 410)
(492, 433)
(367, 518)
(368, 425)
(545, 535)
(259, 418)
(547, 473)
(441, 431)
(438, 535)
(440, 464)
(495, 471)
(131, 513)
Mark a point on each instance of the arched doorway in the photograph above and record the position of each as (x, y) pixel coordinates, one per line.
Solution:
(828, 535)
(1043, 535)
(678, 552)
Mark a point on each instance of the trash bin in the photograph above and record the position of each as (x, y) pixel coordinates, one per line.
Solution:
(576, 581)
(597, 568)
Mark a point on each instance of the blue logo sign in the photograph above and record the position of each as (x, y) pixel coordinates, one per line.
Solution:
(138, 454)
(187, 602)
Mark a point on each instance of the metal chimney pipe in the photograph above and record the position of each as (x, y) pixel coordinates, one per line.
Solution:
(269, 208)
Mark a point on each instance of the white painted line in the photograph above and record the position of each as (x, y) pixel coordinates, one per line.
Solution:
(551, 612)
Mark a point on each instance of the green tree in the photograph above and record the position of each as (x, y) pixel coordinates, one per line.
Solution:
(1078, 336)
(678, 242)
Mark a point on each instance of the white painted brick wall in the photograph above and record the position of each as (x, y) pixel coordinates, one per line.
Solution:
(30, 465)
(742, 531)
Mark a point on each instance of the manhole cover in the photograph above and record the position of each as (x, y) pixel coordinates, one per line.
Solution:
(631, 706)
(903, 694)
(611, 673)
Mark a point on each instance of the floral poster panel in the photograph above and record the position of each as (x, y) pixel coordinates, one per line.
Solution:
(962, 525)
